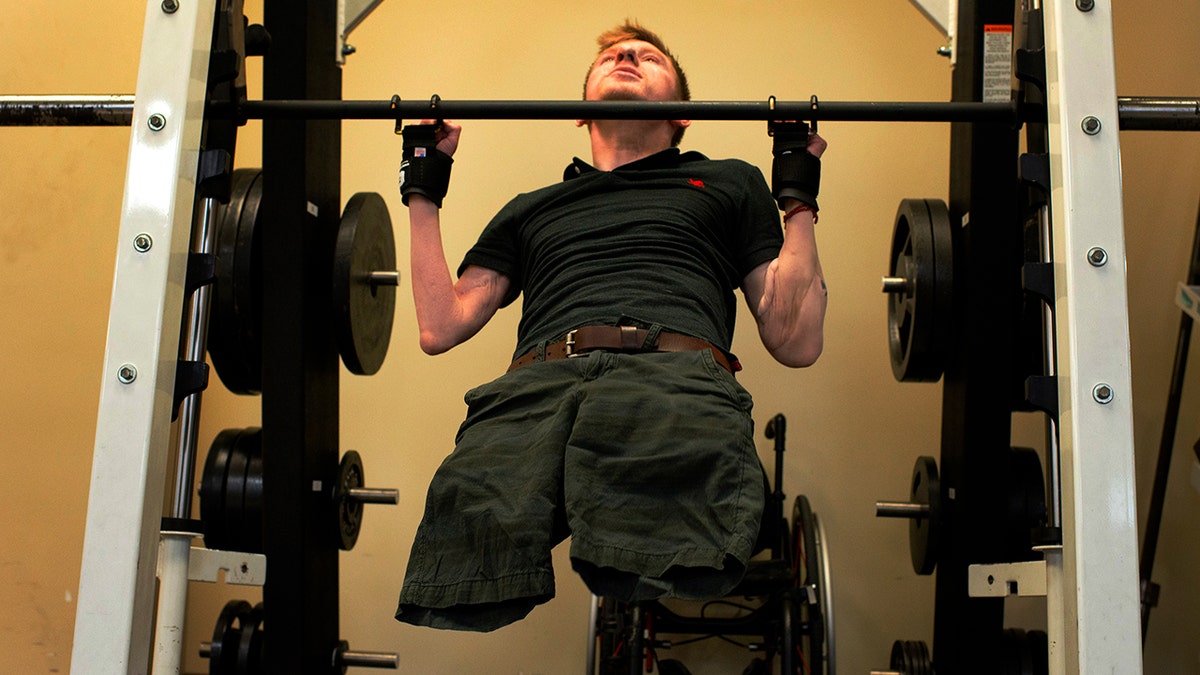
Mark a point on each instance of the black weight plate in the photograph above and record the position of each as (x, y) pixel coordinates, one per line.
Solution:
(249, 650)
(910, 657)
(349, 511)
(1026, 498)
(234, 336)
(251, 527)
(922, 663)
(899, 660)
(222, 659)
(235, 495)
(212, 488)
(911, 259)
(943, 285)
(923, 532)
(918, 317)
(364, 311)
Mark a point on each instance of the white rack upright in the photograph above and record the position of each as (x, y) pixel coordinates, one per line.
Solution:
(115, 614)
(1092, 591)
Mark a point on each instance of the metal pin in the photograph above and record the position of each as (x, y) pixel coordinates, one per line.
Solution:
(142, 243)
(1091, 125)
(374, 495)
(895, 285)
(382, 278)
(1102, 393)
(901, 510)
(357, 659)
(157, 122)
(1098, 257)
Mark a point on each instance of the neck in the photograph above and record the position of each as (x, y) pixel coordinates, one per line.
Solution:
(619, 142)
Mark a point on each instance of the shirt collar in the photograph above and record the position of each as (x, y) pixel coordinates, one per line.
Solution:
(664, 159)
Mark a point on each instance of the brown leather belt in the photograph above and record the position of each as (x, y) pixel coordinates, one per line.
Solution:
(625, 339)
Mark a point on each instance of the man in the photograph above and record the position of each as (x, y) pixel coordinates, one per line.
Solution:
(641, 450)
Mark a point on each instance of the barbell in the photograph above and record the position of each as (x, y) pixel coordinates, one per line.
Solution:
(1169, 113)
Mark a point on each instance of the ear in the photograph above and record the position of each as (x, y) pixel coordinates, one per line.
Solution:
(582, 123)
(682, 123)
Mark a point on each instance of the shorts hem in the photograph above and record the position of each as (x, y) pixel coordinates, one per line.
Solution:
(478, 591)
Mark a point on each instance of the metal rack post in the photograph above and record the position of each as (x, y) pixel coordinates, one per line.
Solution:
(116, 588)
(1093, 580)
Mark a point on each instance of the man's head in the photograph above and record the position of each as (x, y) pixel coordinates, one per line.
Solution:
(634, 64)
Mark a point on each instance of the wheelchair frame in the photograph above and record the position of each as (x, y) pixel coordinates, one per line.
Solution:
(793, 616)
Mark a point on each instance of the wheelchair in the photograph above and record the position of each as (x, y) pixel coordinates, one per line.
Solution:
(783, 609)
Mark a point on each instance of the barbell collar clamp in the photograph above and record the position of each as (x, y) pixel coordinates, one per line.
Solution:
(896, 285)
(901, 510)
(373, 495)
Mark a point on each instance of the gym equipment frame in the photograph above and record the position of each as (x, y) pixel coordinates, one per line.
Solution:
(1091, 575)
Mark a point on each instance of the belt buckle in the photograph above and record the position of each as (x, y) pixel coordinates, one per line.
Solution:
(569, 344)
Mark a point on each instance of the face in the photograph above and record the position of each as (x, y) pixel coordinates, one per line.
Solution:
(632, 70)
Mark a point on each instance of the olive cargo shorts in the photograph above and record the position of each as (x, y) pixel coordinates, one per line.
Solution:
(647, 461)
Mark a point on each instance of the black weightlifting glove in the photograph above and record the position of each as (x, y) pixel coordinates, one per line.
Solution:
(424, 170)
(795, 172)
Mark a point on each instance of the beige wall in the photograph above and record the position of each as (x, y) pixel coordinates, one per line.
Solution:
(854, 430)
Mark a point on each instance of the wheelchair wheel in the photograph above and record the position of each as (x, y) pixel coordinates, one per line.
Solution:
(618, 636)
(826, 598)
(789, 645)
(812, 624)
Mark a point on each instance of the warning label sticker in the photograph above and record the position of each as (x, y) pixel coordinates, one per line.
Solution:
(997, 63)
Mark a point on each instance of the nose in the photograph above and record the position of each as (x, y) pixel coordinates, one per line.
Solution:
(627, 53)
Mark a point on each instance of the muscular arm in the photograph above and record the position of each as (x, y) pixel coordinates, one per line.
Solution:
(787, 295)
(449, 312)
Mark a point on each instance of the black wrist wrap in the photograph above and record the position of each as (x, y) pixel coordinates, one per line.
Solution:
(795, 172)
(424, 170)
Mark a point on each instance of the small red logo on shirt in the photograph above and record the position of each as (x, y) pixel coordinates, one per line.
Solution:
(696, 181)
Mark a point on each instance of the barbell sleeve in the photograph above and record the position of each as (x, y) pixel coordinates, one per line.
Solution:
(1164, 113)
(373, 495)
(901, 510)
(355, 659)
(384, 278)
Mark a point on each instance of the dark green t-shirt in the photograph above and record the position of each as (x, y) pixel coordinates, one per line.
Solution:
(663, 240)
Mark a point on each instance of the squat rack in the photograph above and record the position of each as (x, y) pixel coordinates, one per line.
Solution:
(1091, 579)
